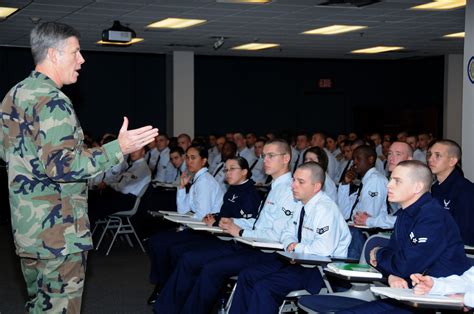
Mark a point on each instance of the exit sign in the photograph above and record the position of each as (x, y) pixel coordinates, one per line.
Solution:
(325, 83)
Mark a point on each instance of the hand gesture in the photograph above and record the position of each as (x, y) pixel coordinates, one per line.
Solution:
(349, 176)
(184, 179)
(133, 140)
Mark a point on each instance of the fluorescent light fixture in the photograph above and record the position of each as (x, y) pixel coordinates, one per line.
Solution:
(175, 23)
(255, 46)
(115, 43)
(333, 29)
(6, 12)
(244, 1)
(377, 49)
(455, 35)
(440, 5)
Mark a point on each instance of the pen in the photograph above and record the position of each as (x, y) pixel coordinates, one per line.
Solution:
(422, 274)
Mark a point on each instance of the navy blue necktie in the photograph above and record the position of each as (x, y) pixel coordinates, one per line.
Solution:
(300, 225)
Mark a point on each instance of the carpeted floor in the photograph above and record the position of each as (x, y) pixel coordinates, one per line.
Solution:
(117, 283)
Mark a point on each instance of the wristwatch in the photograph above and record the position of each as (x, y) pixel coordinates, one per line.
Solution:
(241, 232)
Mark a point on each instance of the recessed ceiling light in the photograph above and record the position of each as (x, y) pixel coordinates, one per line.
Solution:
(115, 43)
(455, 35)
(377, 49)
(440, 5)
(333, 29)
(255, 46)
(6, 12)
(172, 22)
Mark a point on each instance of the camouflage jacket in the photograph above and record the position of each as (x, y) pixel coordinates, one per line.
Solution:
(48, 167)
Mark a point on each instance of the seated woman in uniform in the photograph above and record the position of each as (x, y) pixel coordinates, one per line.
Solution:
(319, 156)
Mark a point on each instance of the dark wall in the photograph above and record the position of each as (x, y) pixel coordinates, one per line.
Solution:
(283, 94)
(110, 85)
(260, 94)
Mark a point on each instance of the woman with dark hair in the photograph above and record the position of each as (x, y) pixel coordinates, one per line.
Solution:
(205, 194)
(241, 199)
(198, 192)
(319, 156)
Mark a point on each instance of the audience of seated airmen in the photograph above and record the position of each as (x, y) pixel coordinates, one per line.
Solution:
(319, 156)
(200, 274)
(425, 239)
(317, 227)
(192, 284)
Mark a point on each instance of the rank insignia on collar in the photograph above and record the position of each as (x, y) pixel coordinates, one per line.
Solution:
(322, 230)
(373, 194)
(416, 240)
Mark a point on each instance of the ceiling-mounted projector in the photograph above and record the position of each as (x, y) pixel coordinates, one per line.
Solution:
(118, 33)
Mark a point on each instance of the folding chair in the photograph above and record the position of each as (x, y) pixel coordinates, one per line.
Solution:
(121, 222)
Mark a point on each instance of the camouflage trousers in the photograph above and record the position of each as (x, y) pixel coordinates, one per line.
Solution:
(54, 285)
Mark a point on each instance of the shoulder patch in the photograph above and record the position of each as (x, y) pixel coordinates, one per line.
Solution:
(416, 240)
(322, 230)
(373, 194)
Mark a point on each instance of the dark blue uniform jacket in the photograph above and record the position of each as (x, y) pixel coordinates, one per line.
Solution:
(240, 201)
(425, 238)
(456, 194)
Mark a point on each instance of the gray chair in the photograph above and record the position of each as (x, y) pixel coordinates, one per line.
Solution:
(120, 222)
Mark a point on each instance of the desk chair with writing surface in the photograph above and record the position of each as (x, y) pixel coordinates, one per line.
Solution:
(121, 222)
(358, 294)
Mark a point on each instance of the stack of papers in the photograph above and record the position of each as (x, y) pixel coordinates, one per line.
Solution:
(260, 243)
(354, 270)
(205, 227)
(184, 220)
(408, 295)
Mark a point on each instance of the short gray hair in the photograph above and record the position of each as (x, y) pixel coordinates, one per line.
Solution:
(49, 35)
(317, 172)
(419, 172)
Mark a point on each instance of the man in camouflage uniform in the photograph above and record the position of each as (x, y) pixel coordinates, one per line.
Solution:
(42, 143)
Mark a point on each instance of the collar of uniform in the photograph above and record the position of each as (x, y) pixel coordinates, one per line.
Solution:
(183, 167)
(414, 208)
(141, 160)
(243, 186)
(199, 173)
(281, 179)
(313, 201)
(41, 76)
(368, 174)
(166, 149)
(454, 176)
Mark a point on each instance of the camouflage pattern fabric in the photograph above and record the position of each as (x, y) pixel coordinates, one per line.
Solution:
(42, 142)
(55, 285)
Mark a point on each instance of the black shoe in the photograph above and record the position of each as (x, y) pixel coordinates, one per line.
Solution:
(154, 295)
